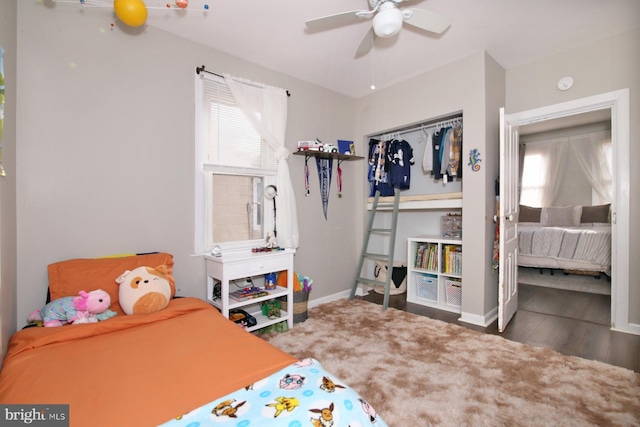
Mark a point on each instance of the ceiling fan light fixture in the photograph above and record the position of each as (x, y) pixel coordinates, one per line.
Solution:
(387, 22)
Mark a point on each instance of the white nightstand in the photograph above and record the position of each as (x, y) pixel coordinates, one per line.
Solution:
(241, 264)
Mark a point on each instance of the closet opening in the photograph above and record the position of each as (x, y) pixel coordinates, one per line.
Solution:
(432, 183)
(435, 192)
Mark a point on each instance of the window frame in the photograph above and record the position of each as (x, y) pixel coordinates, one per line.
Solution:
(203, 241)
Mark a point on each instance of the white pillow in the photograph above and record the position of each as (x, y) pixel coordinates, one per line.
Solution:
(561, 216)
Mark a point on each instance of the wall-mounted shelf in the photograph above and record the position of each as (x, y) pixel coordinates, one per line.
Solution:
(325, 155)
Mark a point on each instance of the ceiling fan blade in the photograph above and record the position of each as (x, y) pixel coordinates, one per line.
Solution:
(366, 44)
(426, 20)
(338, 19)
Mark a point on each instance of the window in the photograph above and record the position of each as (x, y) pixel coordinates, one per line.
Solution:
(606, 179)
(233, 165)
(533, 178)
(545, 164)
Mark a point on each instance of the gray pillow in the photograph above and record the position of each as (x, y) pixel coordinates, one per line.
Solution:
(598, 213)
(529, 214)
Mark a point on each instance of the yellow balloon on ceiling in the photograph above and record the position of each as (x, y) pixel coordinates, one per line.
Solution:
(131, 12)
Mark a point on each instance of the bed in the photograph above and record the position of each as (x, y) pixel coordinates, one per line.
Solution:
(182, 365)
(575, 239)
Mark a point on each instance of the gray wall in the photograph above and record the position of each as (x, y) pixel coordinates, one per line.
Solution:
(105, 160)
(604, 66)
(8, 41)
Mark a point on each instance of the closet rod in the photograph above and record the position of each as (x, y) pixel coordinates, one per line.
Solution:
(202, 70)
(432, 123)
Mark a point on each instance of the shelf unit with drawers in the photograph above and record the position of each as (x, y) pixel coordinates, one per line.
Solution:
(240, 265)
(434, 272)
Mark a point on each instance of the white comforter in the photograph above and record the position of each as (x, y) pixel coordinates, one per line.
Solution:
(589, 243)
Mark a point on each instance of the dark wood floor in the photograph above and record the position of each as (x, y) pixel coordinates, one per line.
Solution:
(572, 323)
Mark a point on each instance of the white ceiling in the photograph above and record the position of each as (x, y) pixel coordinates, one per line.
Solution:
(273, 34)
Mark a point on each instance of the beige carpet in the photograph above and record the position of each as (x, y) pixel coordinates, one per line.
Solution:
(571, 282)
(421, 372)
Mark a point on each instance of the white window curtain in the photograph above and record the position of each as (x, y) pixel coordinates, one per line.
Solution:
(593, 152)
(544, 170)
(266, 107)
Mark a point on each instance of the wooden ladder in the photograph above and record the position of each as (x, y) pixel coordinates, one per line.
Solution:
(388, 257)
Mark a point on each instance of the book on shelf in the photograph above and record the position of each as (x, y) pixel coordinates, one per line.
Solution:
(452, 259)
(426, 257)
(245, 294)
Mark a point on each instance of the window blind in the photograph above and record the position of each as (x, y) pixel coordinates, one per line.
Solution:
(230, 138)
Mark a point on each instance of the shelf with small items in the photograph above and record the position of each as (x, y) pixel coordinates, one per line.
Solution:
(434, 272)
(227, 270)
(254, 308)
(327, 155)
(233, 303)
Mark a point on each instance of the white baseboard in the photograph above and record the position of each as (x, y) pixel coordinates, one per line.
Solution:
(630, 328)
(474, 319)
(329, 298)
(480, 320)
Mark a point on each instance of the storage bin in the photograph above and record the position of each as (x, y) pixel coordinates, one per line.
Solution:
(300, 301)
(453, 292)
(451, 226)
(398, 283)
(427, 287)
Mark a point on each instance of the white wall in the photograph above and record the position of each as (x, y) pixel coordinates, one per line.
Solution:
(8, 41)
(105, 154)
(604, 66)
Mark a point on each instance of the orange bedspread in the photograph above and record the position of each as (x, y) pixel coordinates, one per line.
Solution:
(137, 370)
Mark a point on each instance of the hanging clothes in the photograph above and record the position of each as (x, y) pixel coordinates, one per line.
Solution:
(427, 157)
(446, 153)
(438, 150)
(400, 162)
(379, 168)
(455, 148)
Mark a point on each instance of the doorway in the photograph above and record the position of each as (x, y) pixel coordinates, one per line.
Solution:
(572, 188)
(618, 104)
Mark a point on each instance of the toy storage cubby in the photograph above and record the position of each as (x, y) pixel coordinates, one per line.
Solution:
(434, 272)
(239, 265)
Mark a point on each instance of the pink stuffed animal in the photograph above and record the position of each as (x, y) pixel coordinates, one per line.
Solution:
(86, 308)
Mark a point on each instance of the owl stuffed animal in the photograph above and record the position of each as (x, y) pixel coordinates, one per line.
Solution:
(145, 289)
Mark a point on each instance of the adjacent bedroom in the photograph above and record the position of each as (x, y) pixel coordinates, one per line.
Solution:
(564, 225)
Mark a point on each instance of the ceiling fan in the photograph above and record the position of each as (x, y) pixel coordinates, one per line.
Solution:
(387, 21)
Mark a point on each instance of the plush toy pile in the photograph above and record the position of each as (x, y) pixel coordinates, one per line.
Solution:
(88, 307)
(141, 290)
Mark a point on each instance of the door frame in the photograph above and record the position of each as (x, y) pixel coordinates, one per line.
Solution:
(618, 102)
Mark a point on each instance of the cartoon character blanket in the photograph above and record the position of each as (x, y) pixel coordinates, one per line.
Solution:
(301, 394)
